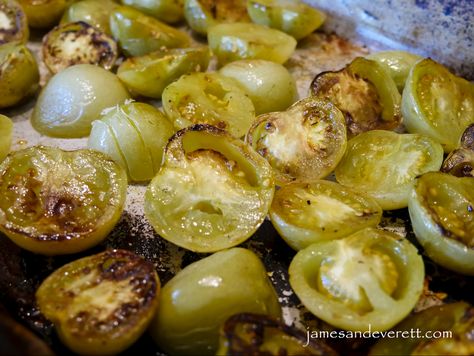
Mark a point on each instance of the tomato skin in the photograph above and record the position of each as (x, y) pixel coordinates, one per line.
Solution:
(370, 259)
(60, 210)
(6, 128)
(101, 304)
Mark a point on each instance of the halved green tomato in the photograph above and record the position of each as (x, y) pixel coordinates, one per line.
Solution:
(203, 14)
(170, 11)
(293, 17)
(101, 304)
(442, 214)
(439, 330)
(198, 300)
(6, 129)
(149, 75)
(139, 34)
(460, 162)
(94, 12)
(13, 22)
(384, 165)
(307, 212)
(232, 41)
(209, 98)
(258, 334)
(368, 281)
(77, 43)
(43, 13)
(438, 104)
(306, 142)
(364, 92)
(212, 192)
(58, 202)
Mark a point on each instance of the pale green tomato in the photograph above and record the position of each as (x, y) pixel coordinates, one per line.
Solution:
(74, 98)
(234, 41)
(398, 63)
(13, 22)
(307, 212)
(269, 85)
(460, 162)
(6, 128)
(149, 75)
(384, 165)
(438, 104)
(209, 98)
(134, 135)
(170, 11)
(198, 300)
(43, 13)
(94, 12)
(293, 17)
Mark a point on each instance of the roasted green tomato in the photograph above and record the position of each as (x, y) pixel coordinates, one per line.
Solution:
(6, 128)
(13, 23)
(364, 92)
(101, 304)
(197, 301)
(78, 43)
(371, 279)
(450, 327)
(209, 98)
(460, 162)
(57, 202)
(442, 214)
(139, 34)
(304, 213)
(212, 192)
(290, 16)
(234, 41)
(19, 75)
(306, 142)
(270, 85)
(438, 104)
(203, 14)
(94, 12)
(384, 165)
(170, 11)
(43, 13)
(258, 334)
(398, 63)
(149, 75)
(74, 98)
(134, 135)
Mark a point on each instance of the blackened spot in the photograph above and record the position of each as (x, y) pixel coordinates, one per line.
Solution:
(308, 202)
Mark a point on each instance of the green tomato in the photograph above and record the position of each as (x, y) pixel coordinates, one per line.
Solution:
(94, 12)
(13, 23)
(212, 192)
(203, 14)
(149, 75)
(78, 43)
(58, 202)
(234, 41)
(135, 136)
(442, 214)
(198, 300)
(306, 142)
(460, 162)
(438, 104)
(398, 63)
(19, 74)
(101, 304)
(290, 16)
(209, 98)
(269, 85)
(369, 280)
(139, 34)
(170, 11)
(458, 318)
(307, 212)
(43, 13)
(364, 92)
(6, 128)
(384, 165)
(74, 98)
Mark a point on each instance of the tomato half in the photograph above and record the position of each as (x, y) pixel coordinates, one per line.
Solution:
(460, 162)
